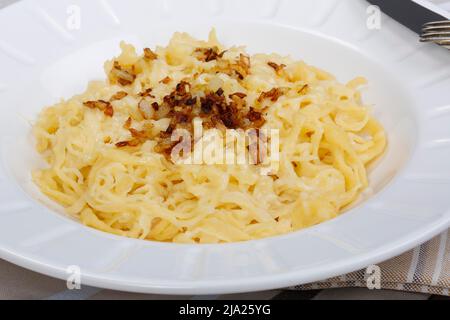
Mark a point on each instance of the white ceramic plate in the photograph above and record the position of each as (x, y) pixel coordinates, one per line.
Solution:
(41, 61)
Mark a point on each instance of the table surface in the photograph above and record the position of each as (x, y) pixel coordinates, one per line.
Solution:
(19, 283)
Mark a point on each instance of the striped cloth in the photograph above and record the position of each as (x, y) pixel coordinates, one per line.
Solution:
(424, 271)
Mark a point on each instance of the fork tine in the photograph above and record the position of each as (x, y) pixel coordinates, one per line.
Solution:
(437, 32)
(435, 39)
(436, 28)
(440, 41)
(436, 35)
(437, 23)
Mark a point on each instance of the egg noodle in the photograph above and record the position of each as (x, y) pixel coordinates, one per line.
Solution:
(116, 179)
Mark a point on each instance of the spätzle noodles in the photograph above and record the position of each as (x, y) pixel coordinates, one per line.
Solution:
(108, 149)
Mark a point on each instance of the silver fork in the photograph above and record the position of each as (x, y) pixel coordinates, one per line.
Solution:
(437, 32)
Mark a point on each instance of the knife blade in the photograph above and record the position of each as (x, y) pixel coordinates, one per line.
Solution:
(409, 13)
